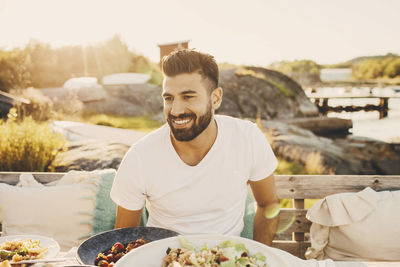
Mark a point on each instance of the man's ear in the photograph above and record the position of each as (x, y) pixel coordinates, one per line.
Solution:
(216, 98)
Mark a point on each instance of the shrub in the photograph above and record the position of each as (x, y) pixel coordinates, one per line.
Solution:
(40, 107)
(28, 146)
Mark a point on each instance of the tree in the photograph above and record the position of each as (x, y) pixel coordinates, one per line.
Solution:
(392, 69)
(40, 65)
(13, 70)
(377, 68)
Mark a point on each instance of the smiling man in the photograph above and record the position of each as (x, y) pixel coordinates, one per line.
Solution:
(192, 173)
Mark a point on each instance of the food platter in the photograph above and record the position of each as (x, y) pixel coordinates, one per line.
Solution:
(53, 248)
(152, 254)
(90, 248)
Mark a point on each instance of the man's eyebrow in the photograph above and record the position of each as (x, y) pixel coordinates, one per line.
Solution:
(188, 92)
(166, 94)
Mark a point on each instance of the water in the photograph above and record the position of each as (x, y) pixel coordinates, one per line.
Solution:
(368, 124)
(328, 75)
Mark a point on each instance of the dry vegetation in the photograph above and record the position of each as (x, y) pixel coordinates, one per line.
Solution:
(27, 145)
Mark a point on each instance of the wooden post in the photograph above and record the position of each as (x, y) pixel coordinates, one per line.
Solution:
(383, 107)
(325, 106)
(298, 204)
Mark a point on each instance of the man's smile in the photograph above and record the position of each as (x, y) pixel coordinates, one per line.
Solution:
(181, 123)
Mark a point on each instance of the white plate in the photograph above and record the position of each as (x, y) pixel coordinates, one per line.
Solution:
(152, 254)
(53, 248)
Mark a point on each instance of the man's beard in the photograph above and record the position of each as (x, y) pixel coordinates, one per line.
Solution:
(184, 135)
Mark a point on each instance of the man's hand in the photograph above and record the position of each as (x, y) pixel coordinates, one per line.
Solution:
(127, 218)
(267, 215)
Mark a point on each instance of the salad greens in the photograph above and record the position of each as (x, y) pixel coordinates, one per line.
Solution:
(226, 254)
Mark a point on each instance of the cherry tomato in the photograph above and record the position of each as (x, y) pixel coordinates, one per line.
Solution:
(223, 258)
(117, 248)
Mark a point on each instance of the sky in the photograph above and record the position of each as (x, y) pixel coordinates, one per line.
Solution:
(251, 32)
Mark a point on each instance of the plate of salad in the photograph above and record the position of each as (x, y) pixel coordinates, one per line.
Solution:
(208, 251)
(20, 248)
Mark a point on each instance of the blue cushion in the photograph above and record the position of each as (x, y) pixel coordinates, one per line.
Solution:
(105, 208)
(249, 214)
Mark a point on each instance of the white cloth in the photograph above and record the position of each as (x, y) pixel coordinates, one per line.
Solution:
(361, 226)
(63, 212)
(206, 198)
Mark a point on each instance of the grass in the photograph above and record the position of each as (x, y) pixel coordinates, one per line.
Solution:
(143, 124)
(28, 145)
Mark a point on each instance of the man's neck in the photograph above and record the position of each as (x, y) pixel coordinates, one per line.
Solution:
(192, 152)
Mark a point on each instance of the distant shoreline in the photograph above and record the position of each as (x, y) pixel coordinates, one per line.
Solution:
(367, 83)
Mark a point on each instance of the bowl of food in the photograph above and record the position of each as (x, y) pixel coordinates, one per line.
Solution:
(208, 250)
(107, 248)
(21, 248)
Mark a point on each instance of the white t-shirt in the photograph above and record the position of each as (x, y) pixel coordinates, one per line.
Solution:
(208, 198)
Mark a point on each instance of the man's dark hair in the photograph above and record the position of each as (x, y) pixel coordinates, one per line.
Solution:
(190, 61)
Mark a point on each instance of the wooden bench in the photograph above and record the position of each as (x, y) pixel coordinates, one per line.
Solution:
(295, 187)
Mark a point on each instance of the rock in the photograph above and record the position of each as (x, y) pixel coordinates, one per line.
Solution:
(116, 106)
(322, 155)
(90, 155)
(253, 92)
(84, 94)
(145, 96)
(323, 126)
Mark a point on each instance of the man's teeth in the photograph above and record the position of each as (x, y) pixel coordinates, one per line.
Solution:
(182, 122)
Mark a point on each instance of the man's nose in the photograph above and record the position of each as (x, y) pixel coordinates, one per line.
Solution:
(177, 108)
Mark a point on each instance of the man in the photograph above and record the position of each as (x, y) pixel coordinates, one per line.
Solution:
(195, 169)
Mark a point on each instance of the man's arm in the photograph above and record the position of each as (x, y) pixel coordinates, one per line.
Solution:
(266, 218)
(127, 218)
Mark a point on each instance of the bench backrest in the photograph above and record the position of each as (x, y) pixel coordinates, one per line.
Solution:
(292, 222)
(301, 187)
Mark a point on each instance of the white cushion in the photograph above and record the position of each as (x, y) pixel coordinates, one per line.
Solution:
(59, 212)
(360, 226)
(63, 212)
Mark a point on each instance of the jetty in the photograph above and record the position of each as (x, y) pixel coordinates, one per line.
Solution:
(321, 101)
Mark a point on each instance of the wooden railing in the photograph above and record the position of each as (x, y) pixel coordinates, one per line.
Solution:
(292, 222)
(321, 101)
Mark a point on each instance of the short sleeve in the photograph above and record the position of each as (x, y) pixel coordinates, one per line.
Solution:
(128, 189)
(264, 161)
